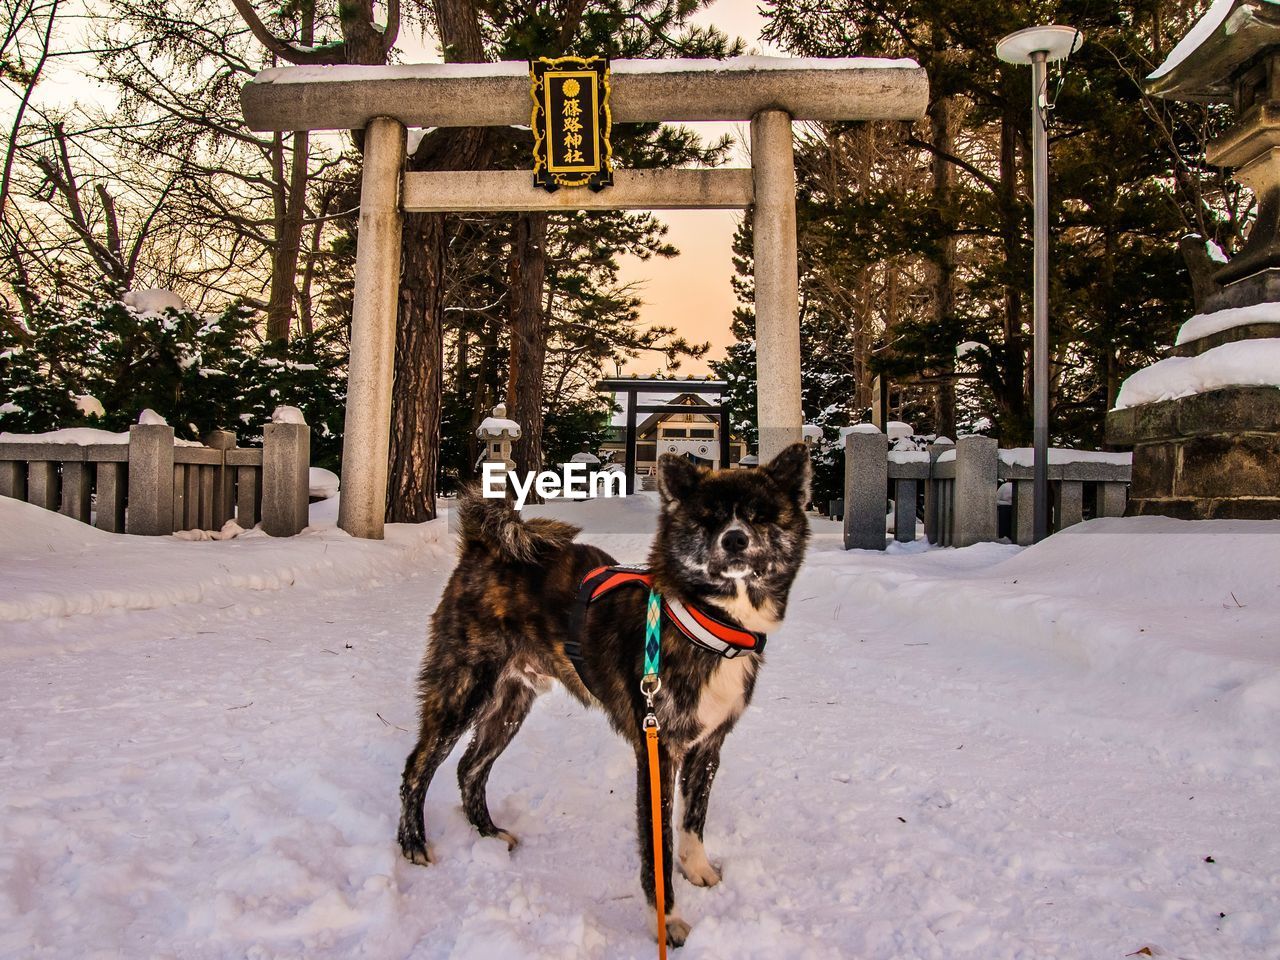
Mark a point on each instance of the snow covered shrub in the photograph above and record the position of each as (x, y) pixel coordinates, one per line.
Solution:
(99, 361)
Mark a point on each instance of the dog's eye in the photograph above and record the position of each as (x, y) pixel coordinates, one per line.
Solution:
(713, 517)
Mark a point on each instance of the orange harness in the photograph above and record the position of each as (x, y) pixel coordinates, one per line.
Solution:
(709, 631)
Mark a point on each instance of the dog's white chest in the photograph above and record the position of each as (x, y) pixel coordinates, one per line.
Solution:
(760, 619)
(724, 694)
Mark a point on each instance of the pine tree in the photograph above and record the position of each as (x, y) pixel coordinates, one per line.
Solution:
(943, 217)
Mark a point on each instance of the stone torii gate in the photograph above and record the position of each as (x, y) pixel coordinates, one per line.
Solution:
(383, 101)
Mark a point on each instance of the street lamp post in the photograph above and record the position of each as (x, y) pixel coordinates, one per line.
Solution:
(1040, 46)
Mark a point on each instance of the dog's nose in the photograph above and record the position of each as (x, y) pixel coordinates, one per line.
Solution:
(734, 541)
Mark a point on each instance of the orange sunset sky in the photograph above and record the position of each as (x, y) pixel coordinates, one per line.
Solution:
(691, 292)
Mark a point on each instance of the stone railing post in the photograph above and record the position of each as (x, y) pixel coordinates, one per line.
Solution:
(932, 490)
(1068, 503)
(13, 479)
(150, 509)
(224, 478)
(904, 511)
(1111, 499)
(286, 467)
(110, 479)
(977, 469)
(866, 484)
(1024, 513)
(77, 487)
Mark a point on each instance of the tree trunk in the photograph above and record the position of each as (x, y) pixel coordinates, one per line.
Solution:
(526, 273)
(943, 130)
(284, 259)
(1201, 267)
(415, 407)
(415, 402)
(1011, 385)
(414, 457)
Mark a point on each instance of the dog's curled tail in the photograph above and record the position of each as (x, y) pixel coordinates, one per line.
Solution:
(494, 524)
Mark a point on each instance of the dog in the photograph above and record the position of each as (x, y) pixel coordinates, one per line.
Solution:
(729, 542)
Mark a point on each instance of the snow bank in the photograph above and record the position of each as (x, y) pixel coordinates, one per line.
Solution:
(1185, 607)
(56, 567)
(1204, 324)
(976, 754)
(1252, 363)
(519, 68)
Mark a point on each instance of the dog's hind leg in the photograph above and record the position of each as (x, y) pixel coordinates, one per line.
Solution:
(696, 776)
(677, 928)
(453, 693)
(494, 731)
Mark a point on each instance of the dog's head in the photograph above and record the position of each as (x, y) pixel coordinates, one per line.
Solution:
(721, 530)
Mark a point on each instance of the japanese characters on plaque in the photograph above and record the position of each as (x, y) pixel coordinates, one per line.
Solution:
(571, 122)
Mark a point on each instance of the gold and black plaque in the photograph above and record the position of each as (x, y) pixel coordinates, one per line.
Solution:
(571, 122)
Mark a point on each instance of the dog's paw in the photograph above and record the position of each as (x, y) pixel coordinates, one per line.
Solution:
(702, 874)
(419, 853)
(509, 837)
(677, 930)
(694, 864)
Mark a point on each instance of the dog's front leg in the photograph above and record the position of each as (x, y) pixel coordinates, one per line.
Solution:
(696, 776)
(677, 928)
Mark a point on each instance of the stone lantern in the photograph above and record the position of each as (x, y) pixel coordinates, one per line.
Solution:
(497, 433)
(1204, 423)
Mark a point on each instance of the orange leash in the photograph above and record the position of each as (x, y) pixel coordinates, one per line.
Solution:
(655, 801)
(650, 684)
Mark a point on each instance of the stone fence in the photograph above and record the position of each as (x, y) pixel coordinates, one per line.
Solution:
(154, 486)
(957, 488)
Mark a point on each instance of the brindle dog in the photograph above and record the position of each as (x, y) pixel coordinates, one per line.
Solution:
(729, 539)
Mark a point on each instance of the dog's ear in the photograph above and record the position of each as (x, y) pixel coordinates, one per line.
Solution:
(677, 477)
(791, 471)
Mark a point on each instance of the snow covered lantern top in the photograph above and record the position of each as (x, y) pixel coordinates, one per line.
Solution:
(1204, 66)
(1232, 55)
(496, 432)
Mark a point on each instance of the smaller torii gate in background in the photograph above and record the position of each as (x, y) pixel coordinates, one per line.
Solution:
(632, 387)
(383, 101)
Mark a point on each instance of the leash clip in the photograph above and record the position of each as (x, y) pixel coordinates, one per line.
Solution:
(650, 684)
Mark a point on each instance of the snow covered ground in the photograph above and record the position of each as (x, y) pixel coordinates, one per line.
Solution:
(1068, 751)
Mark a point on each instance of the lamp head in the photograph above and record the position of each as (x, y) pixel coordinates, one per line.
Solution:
(1056, 42)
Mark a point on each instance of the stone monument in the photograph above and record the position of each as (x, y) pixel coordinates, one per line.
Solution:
(497, 433)
(1204, 423)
